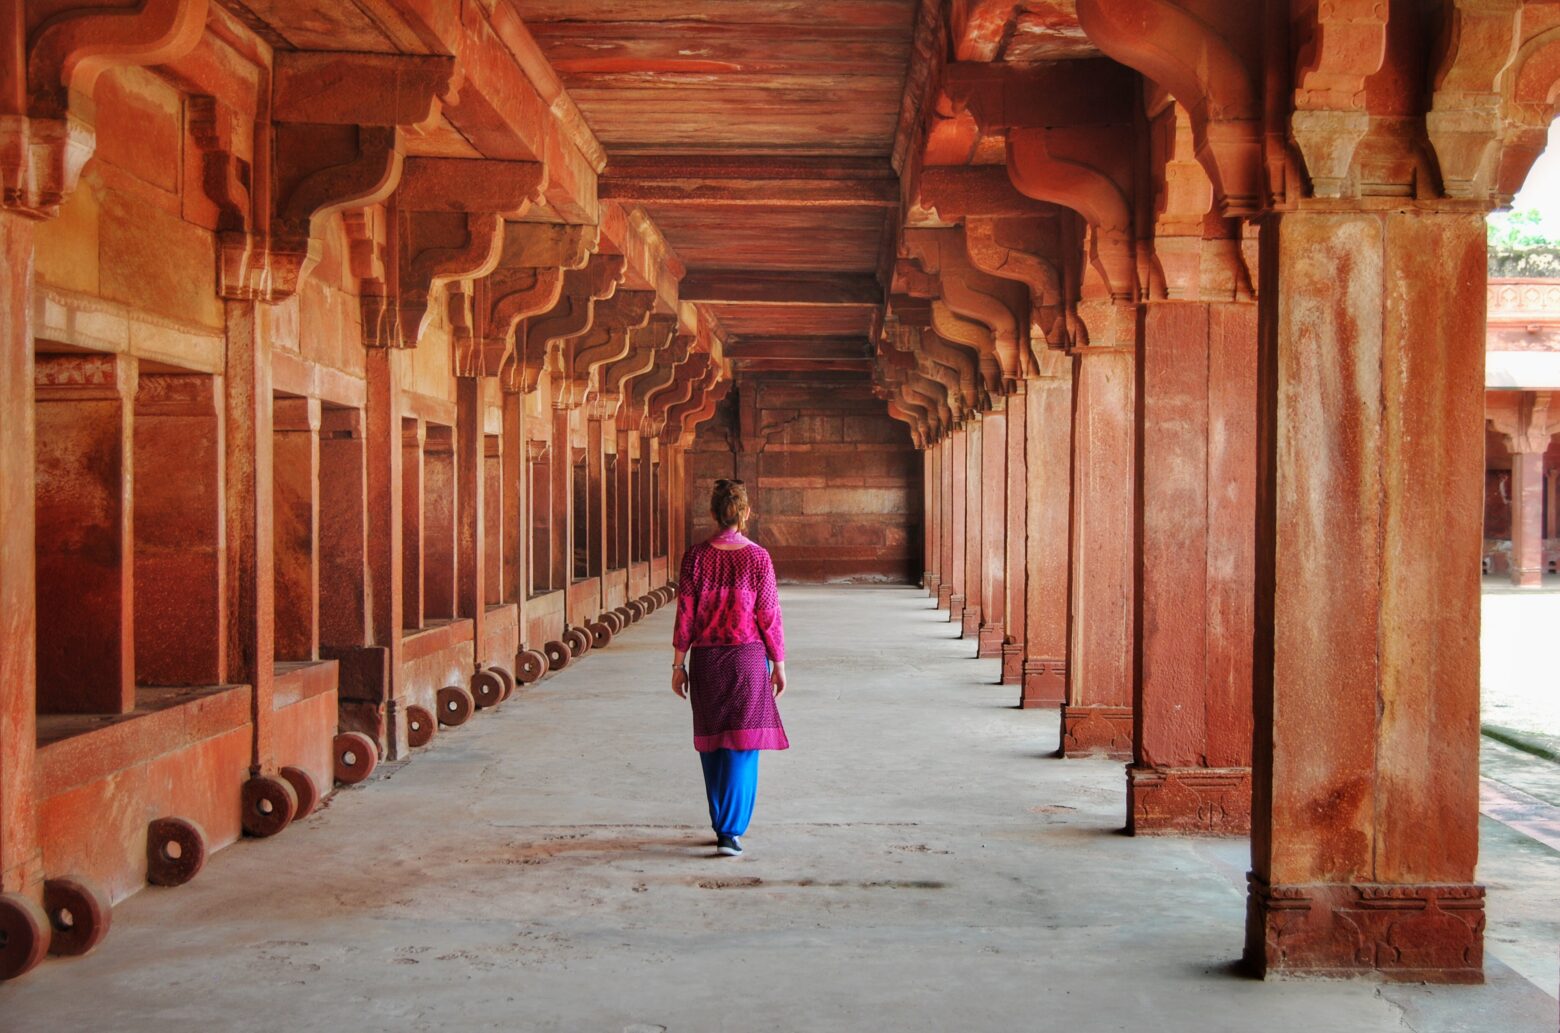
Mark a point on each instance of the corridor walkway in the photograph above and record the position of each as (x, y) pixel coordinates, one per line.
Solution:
(918, 862)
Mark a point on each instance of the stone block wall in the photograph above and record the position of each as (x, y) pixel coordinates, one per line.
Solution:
(834, 480)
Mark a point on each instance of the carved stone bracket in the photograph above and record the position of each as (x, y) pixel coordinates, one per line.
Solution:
(568, 318)
(44, 146)
(609, 339)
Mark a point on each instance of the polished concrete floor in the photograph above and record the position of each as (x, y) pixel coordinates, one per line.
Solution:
(919, 861)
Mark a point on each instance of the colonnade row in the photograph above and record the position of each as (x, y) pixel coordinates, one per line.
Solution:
(1192, 339)
(320, 430)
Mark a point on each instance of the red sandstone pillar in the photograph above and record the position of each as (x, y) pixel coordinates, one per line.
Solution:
(493, 513)
(296, 462)
(945, 564)
(623, 518)
(646, 504)
(595, 498)
(86, 629)
(21, 864)
(412, 548)
(440, 559)
(250, 508)
(1097, 717)
(1371, 452)
(1529, 440)
(958, 498)
(512, 488)
(562, 500)
(1048, 414)
(345, 617)
(1016, 545)
(970, 543)
(470, 493)
(1197, 509)
(1552, 504)
(928, 521)
(374, 703)
(180, 551)
(993, 534)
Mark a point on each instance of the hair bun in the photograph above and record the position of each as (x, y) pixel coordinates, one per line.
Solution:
(729, 502)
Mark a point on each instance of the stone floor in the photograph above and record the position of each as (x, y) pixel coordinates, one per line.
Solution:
(919, 862)
(1520, 683)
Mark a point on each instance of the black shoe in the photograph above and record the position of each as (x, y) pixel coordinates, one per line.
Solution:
(728, 846)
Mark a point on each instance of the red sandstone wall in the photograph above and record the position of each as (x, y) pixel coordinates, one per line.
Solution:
(835, 481)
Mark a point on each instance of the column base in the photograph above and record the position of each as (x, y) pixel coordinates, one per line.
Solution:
(989, 641)
(1012, 663)
(1188, 801)
(1045, 683)
(1096, 732)
(1406, 933)
(930, 582)
(1527, 578)
(955, 608)
(969, 621)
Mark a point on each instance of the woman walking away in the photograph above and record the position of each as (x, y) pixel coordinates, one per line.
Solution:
(728, 625)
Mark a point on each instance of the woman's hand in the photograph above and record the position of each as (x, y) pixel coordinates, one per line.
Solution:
(680, 682)
(777, 678)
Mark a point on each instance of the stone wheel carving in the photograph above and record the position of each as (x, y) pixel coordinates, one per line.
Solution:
(530, 665)
(303, 784)
(79, 915)
(420, 726)
(175, 851)
(24, 935)
(558, 655)
(356, 757)
(600, 633)
(578, 640)
(487, 689)
(269, 804)
(455, 706)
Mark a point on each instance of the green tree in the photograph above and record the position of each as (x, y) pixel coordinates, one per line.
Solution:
(1517, 230)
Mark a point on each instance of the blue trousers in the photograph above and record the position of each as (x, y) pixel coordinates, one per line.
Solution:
(731, 782)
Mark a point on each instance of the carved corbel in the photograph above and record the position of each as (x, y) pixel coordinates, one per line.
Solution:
(1088, 170)
(1008, 249)
(44, 143)
(1526, 419)
(1530, 91)
(898, 412)
(661, 377)
(527, 281)
(1479, 41)
(1194, 253)
(1198, 58)
(1340, 44)
(569, 317)
(609, 339)
(1000, 305)
(649, 345)
(681, 426)
(688, 378)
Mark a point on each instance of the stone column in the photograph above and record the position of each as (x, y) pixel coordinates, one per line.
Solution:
(560, 513)
(1552, 504)
(469, 470)
(1196, 509)
(387, 460)
(945, 521)
(296, 443)
(250, 510)
(929, 484)
(344, 604)
(958, 497)
(1097, 717)
(1016, 544)
(993, 534)
(514, 487)
(1048, 415)
(21, 864)
(970, 541)
(596, 497)
(412, 549)
(1371, 451)
(645, 503)
(1528, 430)
(441, 560)
(623, 519)
(85, 417)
